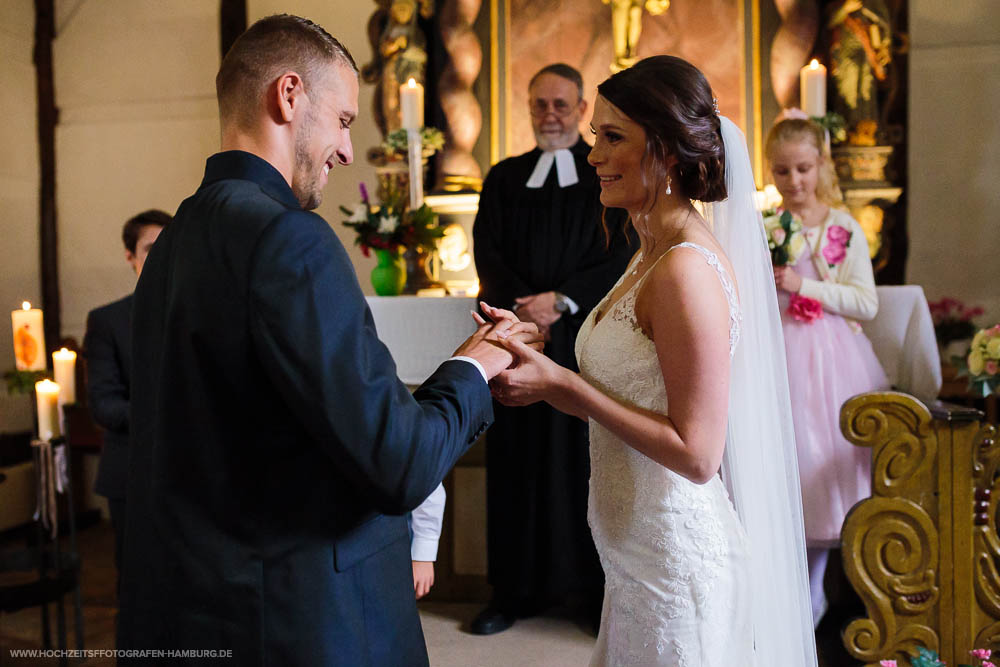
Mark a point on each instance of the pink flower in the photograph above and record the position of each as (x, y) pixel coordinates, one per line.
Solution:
(804, 309)
(991, 368)
(839, 235)
(980, 653)
(834, 253)
(987, 663)
(887, 663)
(778, 236)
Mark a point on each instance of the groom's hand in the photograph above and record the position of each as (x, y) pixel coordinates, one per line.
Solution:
(484, 345)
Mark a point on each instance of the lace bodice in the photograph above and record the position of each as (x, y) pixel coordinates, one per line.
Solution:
(671, 549)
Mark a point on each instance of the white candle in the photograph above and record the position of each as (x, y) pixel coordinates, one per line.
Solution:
(414, 150)
(64, 370)
(411, 103)
(29, 338)
(812, 89)
(47, 400)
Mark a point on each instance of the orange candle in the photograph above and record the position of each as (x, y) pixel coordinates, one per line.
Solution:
(29, 338)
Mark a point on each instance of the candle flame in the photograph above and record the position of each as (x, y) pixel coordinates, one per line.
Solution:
(412, 83)
(814, 64)
(47, 387)
(25, 305)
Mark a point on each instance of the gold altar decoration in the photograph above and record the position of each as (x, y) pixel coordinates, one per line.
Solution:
(399, 50)
(860, 40)
(457, 168)
(923, 552)
(626, 26)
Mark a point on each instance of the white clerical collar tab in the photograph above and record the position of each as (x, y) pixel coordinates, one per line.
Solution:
(565, 169)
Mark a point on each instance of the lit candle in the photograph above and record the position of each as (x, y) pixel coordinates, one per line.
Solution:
(64, 370)
(812, 89)
(47, 400)
(411, 103)
(29, 338)
(411, 100)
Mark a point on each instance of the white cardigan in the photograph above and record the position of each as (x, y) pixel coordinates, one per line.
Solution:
(847, 289)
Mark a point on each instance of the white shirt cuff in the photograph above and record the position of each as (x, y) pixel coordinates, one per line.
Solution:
(573, 308)
(423, 549)
(482, 371)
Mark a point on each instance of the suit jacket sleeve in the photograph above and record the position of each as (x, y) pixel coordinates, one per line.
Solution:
(853, 294)
(500, 281)
(107, 393)
(316, 340)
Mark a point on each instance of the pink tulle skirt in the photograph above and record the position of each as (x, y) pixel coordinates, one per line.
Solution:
(828, 363)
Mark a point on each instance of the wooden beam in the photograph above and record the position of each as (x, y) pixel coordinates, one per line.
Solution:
(48, 116)
(232, 22)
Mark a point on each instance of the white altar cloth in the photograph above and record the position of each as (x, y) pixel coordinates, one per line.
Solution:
(421, 332)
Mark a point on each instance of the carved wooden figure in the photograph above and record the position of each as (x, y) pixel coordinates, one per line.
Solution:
(923, 551)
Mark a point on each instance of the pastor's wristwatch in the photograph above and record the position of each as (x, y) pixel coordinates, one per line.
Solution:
(562, 304)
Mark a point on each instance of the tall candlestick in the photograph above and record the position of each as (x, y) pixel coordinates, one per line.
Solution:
(414, 150)
(411, 103)
(812, 89)
(29, 338)
(64, 370)
(47, 400)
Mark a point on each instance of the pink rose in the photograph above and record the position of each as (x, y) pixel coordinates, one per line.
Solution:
(804, 309)
(980, 653)
(838, 235)
(991, 369)
(834, 253)
(987, 663)
(887, 663)
(778, 236)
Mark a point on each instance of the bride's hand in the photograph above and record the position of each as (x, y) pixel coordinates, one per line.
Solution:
(533, 377)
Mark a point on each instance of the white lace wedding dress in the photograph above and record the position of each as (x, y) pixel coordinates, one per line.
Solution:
(674, 553)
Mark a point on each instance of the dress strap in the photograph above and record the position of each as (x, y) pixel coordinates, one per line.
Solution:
(735, 316)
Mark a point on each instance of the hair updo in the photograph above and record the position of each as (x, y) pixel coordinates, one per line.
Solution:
(672, 101)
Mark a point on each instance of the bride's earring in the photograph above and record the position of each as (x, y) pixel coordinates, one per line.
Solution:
(668, 190)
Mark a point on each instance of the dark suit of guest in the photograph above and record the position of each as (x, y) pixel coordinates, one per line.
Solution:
(274, 450)
(108, 346)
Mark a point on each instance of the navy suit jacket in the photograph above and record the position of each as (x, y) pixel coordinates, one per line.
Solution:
(274, 450)
(108, 346)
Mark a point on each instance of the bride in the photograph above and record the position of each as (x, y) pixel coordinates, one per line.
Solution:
(695, 507)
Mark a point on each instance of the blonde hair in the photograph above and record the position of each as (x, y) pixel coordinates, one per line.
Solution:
(797, 129)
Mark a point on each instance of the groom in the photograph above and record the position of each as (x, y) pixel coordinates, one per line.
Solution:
(273, 449)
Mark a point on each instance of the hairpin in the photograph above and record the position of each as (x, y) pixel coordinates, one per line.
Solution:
(715, 105)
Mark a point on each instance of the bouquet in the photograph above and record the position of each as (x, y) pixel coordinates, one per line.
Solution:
(982, 362)
(953, 320)
(392, 224)
(786, 243)
(784, 236)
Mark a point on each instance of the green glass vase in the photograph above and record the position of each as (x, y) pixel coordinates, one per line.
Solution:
(388, 276)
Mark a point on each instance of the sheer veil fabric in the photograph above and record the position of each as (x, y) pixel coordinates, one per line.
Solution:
(759, 468)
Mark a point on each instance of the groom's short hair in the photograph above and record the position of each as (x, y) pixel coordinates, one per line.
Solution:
(269, 48)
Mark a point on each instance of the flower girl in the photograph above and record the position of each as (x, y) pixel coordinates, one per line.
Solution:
(825, 287)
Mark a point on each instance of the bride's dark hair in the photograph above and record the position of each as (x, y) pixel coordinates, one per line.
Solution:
(672, 101)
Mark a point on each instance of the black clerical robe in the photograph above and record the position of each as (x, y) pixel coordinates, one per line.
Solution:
(529, 241)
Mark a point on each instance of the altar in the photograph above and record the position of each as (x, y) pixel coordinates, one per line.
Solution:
(421, 332)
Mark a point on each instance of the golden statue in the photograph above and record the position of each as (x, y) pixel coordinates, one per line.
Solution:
(860, 40)
(400, 52)
(626, 26)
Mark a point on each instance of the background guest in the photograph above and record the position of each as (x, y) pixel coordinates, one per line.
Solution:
(829, 358)
(108, 348)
